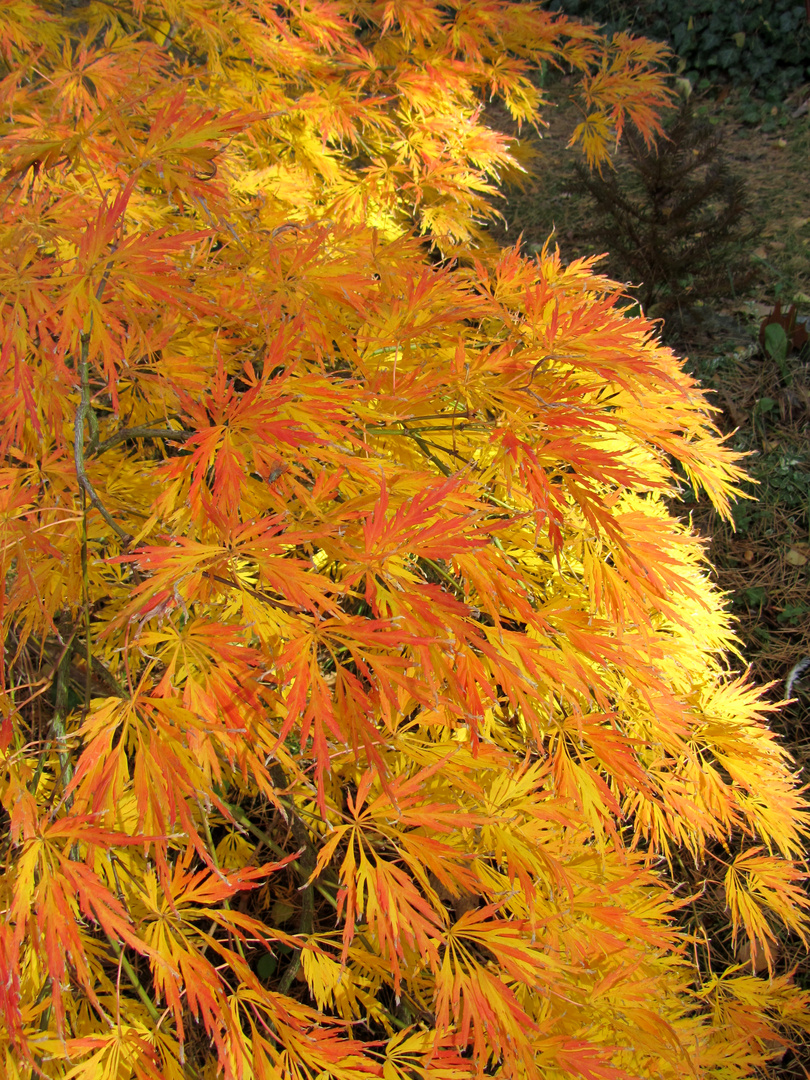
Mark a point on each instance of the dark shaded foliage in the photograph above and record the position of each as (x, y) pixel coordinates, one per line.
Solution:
(762, 44)
(674, 217)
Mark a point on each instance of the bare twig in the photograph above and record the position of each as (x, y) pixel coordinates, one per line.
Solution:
(60, 672)
(82, 414)
(144, 431)
(307, 864)
(539, 364)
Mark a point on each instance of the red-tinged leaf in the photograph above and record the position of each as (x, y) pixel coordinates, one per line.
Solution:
(580, 1058)
(360, 758)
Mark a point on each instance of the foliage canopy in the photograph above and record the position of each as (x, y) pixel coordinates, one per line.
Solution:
(357, 682)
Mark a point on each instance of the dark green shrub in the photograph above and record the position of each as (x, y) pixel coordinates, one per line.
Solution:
(672, 217)
(763, 44)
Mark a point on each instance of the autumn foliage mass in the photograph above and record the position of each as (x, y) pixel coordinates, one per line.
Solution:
(362, 693)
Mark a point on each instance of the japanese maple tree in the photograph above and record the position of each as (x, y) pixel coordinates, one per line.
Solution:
(361, 693)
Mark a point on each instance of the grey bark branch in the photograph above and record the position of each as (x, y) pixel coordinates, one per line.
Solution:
(82, 414)
(144, 431)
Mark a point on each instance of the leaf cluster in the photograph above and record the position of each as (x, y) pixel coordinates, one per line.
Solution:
(358, 685)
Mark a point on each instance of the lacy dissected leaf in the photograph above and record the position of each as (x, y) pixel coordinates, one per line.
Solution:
(361, 692)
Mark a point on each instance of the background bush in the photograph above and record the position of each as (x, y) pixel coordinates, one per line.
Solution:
(761, 42)
(673, 216)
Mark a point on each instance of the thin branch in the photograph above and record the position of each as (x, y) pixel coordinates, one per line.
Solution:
(423, 446)
(144, 431)
(105, 676)
(423, 443)
(213, 854)
(140, 989)
(60, 673)
(99, 668)
(59, 714)
(142, 993)
(384, 429)
(252, 592)
(425, 416)
(88, 649)
(539, 364)
(307, 864)
(82, 414)
(795, 674)
(301, 835)
(243, 819)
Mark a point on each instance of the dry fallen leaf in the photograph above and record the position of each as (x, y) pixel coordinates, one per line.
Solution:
(756, 307)
(795, 558)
